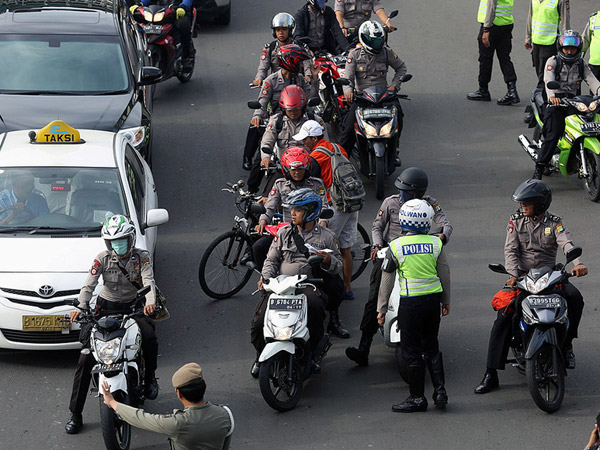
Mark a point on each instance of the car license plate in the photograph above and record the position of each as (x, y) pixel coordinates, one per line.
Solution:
(286, 303)
(590, 127)
(45, 323)
(153, 29)
(101, 368)
(377, 114)
(544, 302)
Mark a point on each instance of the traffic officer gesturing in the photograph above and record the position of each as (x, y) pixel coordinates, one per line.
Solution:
(424, 277)
(367, 66)
(591, 42)
(495, 35)
(351, 14)
(412, 184)
(533, 236)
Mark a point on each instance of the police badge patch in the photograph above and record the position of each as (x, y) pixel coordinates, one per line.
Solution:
(511, 227)
(95, 267)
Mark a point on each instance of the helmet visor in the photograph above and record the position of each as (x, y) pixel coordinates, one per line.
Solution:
(376, 43)
(570, 41)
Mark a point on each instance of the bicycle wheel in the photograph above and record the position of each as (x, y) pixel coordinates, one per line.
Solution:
(361, 252)
(220, 274)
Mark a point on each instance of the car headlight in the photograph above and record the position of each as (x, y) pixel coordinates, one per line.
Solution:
(147, 16)
(537, 286)
(108, 351)
(135, 135)
(386, 130)
(370, 130)
(581, 107)
(282, 333)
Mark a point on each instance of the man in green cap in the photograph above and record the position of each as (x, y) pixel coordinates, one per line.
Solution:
(199, 426)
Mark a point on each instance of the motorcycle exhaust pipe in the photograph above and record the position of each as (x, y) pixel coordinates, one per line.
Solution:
(529, 147)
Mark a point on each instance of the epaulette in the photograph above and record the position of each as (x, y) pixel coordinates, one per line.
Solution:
(517, 215)
(593, 14)
(267, 45)
(554, 218)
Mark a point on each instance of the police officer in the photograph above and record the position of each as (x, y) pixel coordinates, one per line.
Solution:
(568, 68)
(124, 269)
(533, 236)
(318, 22)
(412, 183)
(591, 42)
(351, 14)
(200, 425)
(288, 255)
(424, 276)
(495, 35)
(367, 66)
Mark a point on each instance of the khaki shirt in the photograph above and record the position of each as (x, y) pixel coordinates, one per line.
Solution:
(285, 259)
(388, 217)
(204, 427)
(285, 138)
(365, 70)
(569, 78)
(563, 14)
(270, 64)
(282, 187)
(117, 288)
(532, 244)
(274, 84)
(356, 12)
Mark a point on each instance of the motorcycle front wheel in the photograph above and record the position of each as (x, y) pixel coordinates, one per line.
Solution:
(592, 182)
(116, 432)
(280, 392)
(379, 177)
(545, 379)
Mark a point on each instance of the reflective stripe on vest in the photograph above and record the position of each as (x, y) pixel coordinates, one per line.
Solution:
(594, 50)
(504, 12)
(544, 22)
(417, 256)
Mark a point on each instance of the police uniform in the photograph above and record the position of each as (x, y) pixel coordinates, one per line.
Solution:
(116, 296)
(272, 87)
(569, 78)
(356, 12)
(543, 22)
(529, 245)
(284, 138)
(269, 63)
(591, 42)
(284, 258)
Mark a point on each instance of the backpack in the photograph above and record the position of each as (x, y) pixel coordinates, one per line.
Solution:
(347, 191)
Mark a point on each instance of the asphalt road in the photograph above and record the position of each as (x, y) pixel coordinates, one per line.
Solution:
(474, 162)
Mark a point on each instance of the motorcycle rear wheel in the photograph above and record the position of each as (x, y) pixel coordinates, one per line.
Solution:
(116, 432)
(546, 383)
(592, 183)
(280, 393)
(379, 177)
(361, 252)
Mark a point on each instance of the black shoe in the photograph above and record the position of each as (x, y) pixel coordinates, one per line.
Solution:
(528, 118)
(359, 355)
(511, 97)
(488, 384)
(247, 164)
(570, 358)
(411, 404)
(151, 389)
(335, 327)
(315, 368)
(480, 95)
(538, 171)
(74, 424)
(255, 370)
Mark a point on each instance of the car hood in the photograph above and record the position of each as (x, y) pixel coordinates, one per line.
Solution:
(95, 112)
(48, 254)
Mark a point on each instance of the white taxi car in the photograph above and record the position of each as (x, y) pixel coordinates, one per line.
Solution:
(57, 186)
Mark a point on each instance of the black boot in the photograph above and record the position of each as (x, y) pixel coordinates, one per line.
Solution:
(360, 355)
(481, 95)
(511, 97)
(74, 424)
(416, 401)
(436, 371)
(335, 326)
(247, 163)
(151, 388)
(489, 382)
(569, 356)
(538, 171)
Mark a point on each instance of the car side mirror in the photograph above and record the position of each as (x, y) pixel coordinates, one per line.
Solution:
(574, 253)
(326, 214)
(498, 268)
(257, 208)
(254, 104)
(155, 217)
(314, 101)
(150, 75)
(406, 77)
(553, 85)
(393, 14)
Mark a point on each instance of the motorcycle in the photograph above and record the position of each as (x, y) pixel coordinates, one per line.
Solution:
(158, 23)
(115, 343)
(542, 322)
(578, 151)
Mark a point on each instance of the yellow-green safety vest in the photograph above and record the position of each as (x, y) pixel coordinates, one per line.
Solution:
(504, 12)
(594, 49)
(417, 256)
(544, 22)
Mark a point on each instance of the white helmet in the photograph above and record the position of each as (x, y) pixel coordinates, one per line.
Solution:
(119, 228)
(416, 215)
(283, 20)
(372, 37)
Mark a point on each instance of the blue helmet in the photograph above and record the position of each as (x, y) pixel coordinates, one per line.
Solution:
(416, 215)
(306, 199)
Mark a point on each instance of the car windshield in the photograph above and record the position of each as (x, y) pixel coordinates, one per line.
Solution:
(47, 199)
(62, 65)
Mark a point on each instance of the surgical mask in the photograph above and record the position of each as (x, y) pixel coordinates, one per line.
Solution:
(120, 246)
(406, 196)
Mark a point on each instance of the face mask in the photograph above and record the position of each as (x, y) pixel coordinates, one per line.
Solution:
(406, 196)
(120, 246)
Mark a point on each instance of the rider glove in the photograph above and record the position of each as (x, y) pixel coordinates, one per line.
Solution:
(180, 13)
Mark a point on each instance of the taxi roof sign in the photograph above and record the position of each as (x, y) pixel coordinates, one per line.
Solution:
(56, 132)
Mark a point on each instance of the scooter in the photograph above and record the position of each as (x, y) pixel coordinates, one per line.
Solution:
(578, 151)
(158, 23)
(542, 322)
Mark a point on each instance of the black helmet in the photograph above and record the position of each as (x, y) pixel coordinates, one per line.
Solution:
(569, 38)
(413, 179)
(536, 192)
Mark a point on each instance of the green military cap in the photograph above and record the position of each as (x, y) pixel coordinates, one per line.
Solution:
(190, 373)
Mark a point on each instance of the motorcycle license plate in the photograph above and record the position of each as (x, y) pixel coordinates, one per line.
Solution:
(153, 29)
(45, 323)
(591, 127)
(377, 114)
(544, 302)
(101, 368)
(286, 303)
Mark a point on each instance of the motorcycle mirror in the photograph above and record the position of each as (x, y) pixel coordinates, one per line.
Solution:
(254, 104)
(257, 208)
(314, 101)
(150, 75)
(498, 268)
(553, 85)
(342, 82)
(406, 77)
(251, 265)
(393, 14)
(315, 259)
(326, 214)
(574, 253)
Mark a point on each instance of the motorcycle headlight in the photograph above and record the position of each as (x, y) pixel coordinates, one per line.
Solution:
(159, 16)
(135, 136)
(370, 130)
(108, 351)
(581, 107)
(593, 106)
(147, 16)
(282, 333)
(386, 130)
(537, 286)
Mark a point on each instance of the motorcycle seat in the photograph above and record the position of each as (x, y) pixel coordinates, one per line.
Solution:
(537, 97)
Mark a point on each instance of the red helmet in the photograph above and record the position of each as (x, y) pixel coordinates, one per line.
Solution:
(295, 158)
(290, 57)
(292, 97)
